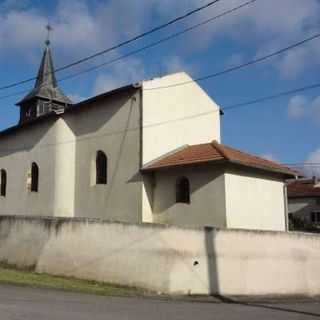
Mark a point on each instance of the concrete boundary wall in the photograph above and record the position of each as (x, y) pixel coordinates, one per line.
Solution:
(165, 259)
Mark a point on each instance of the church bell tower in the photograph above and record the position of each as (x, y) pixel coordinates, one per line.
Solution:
(45, 97)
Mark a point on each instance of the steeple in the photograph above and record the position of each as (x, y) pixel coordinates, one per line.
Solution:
(46, 96)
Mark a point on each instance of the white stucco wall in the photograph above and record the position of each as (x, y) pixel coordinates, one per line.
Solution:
(40, 143)
(65, 161)
(166, 259)
(111, 125)
(254, 201)
(65, 149)
(176, 116)
(147, 198)
(207, 198)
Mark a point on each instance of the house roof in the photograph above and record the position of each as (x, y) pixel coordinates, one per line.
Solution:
(216, 153)
(303, 189)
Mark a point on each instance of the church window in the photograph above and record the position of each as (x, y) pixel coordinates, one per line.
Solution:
(34, 177)
(182, 190)
(101, 168)
(3, 187)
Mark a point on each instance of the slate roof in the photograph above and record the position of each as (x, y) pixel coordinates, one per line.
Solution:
(216, 153)
(46, 85)
(303, 189)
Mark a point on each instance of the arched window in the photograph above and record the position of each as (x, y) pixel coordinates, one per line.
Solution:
(3, 187)
(101, 168)
(182, 190)
(34, 177)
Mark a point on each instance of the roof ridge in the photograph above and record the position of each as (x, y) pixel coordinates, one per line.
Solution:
(219, 148)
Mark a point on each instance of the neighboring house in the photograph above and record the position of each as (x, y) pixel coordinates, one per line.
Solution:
(304, 201)
(147, 152)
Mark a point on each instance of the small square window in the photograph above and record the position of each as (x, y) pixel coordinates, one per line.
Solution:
(315, 217)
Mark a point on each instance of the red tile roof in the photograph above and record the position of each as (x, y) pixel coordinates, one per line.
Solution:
(303, 189)
(215, 152)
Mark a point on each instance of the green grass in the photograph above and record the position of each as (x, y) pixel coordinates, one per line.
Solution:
(10, 275)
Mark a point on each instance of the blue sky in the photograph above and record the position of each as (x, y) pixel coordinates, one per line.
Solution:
(284, 129)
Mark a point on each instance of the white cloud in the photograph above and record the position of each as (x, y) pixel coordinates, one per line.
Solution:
(235, 59)
(83, 27)
(80, 27)
(120, 74)
(174, 64)
(315, 109)
(75, 31)
(76, 97)
(21, 29)
(293, 62)
(271, 24)
(13, 4)
(301, 106)
(297, 107)
(270, 156)
(98, 22)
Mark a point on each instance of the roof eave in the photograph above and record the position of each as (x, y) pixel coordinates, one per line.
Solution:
(286, 173)
(70, 103)
(104, 95)
(219, 162)
(186, 164)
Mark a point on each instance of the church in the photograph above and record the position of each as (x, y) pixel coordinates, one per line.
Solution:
(148, 152)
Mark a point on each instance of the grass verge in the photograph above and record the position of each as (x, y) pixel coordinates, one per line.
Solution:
(9, 275)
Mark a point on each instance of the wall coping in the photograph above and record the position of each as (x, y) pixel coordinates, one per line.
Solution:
(154, 226)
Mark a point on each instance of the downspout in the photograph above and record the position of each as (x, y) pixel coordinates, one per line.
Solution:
(285, 195)
(286, 213)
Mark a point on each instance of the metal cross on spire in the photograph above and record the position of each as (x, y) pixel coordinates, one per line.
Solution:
(49, 29)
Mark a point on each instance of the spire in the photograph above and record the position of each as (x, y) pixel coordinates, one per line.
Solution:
(46, 76)
(46, 88)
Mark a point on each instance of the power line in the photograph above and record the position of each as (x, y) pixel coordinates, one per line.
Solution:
(14, 94)
(250, 102)
(220, 73)
(117, 46)
(149, 46)
(249, 63)
(272, 97)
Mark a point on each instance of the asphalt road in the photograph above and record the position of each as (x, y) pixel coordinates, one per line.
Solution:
(34, 304)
